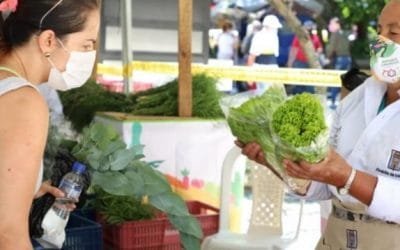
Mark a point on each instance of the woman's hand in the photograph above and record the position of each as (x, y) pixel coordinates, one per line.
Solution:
(333, 170)
(46, 187)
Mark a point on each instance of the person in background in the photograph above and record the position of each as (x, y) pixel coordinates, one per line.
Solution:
(227, 43)
(338, 52)
(254, 27)
(360, 173)
(49, 41)
(264, 48)
(297, 57)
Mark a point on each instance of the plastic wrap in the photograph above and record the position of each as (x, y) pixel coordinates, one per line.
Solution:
(253, 120)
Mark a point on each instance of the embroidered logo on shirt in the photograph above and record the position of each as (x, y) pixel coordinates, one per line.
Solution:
(351, 238)
(394, 161)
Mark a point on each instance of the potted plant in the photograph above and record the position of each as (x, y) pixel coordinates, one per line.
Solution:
(120, 171)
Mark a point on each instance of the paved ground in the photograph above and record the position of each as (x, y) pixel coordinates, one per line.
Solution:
(309, 229)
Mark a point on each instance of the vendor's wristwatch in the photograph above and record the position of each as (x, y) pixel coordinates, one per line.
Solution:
(345, 189)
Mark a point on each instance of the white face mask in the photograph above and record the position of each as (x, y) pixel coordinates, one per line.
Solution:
(78, 70)
(385, 60)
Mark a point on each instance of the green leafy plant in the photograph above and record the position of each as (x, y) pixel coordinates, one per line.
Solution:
(121, 171)
(117, 209)
(163, 100)
(300, 127)
(292, 128)
(250, 121)
(81, 104)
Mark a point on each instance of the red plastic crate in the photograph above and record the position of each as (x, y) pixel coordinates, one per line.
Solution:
(157, 234)
(207, 216)
(145, 234)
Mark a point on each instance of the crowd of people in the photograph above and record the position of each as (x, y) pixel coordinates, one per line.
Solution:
(260, 45)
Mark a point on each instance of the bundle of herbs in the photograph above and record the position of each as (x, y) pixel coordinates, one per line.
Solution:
(163, 100)
(81, 104)
(285, 127)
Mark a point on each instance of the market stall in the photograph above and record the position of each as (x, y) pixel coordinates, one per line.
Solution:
(189, 151)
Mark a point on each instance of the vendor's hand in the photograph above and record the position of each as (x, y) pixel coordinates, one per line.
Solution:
(333, 170)
(253, 151)
(46, 187)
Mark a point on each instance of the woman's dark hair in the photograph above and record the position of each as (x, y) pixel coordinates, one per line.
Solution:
(67, 17)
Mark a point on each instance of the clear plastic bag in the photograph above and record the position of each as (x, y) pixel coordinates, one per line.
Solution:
(250, 120)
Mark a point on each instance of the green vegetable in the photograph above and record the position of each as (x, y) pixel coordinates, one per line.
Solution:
(250, 121)
(117, 209)
(80, 105)
(284, 128)
(163, 100)
(298, 124)
(123, 174)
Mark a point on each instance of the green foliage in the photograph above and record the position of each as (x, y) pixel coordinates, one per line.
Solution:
(121, 171)
(117, 209)
(250, 121)
(81, 104)
(362, 11)
(299, 120)
(299, 129)
(163, 101)
(284, 128)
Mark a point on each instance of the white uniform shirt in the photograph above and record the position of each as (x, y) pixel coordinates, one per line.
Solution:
(265, 42)
(370, 142)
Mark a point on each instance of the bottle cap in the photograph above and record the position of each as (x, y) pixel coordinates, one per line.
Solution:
(78, 167)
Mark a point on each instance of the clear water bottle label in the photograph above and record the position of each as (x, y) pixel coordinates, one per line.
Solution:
(71, 189)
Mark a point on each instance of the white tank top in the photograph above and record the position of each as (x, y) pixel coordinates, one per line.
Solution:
(13, 83)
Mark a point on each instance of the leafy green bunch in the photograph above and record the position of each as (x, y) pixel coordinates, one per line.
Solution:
(163, 100)
(117, 209)
(250, 121)
(121, 171)
(81, 104)
(300, 128)
(292, 128)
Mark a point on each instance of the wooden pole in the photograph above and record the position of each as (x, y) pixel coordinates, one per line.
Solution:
(127, 55)
(185, 57)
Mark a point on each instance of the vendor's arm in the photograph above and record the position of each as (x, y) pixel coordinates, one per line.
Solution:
(335, 171)
(316, 190)
(23, 132)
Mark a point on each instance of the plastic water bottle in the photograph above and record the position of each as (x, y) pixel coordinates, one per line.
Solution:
(71, 184)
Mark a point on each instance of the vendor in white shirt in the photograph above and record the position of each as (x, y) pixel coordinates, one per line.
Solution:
(361, 173)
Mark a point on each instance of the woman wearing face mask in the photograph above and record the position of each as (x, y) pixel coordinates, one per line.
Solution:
(361, 174)
(42, 41)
